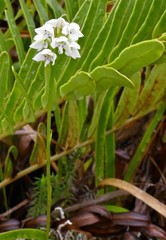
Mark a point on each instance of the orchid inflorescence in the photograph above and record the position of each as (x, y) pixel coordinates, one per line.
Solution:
(56, 36)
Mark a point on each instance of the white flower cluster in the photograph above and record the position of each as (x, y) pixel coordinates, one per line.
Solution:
(56, 34)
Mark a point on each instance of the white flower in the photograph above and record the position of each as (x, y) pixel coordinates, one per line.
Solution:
(39, 44)
(56, 35)
(73, 50)
(72, 30)
(44, 32)
(46, 55)
(60, 43)
(70, 48)
(57, 23)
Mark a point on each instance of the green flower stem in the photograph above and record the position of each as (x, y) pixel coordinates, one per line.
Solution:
(137, 158)
(49, 93)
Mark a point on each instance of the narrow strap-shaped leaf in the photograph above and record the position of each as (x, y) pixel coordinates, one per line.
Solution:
(110, 147)
(92, 24)
(83, 109)
(14, 31)
(153, 92)
(138, 55)
(127, 101)
(96, 114)
(100, 39)
(5, 121)
(27, 108)
(29, 69)
(37, 83)
(58, 119)
(136, 160)
(135, 21)
(28, 17)
(41, 11)
(2, 7)
(4, 65)
(160, 26)
(120, 19)
(64, 127)
(56, 8)
(27, 73)
(80, 2)
(10, 160)
(37, 104)
(3, 45)
(100, 134)
(63, 60)
(155, 12)
(71, 8)
(73, 132)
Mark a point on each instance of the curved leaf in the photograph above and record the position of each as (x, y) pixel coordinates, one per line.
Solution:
(79, 86)
(136, 56)
(138, 193)
(106, 77)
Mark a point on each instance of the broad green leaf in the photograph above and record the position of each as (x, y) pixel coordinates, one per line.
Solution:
(136, 56)
(79, 86)
(106, 77)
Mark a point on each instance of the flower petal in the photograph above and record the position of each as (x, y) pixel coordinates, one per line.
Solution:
(46, 55)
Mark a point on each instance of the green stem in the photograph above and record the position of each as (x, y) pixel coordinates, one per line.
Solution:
(49, 93)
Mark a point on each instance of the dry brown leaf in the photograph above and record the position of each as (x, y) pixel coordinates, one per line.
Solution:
(136, 192)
